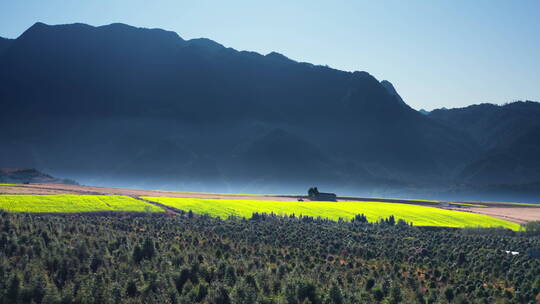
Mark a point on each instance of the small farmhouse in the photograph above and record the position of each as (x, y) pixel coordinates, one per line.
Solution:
(315, 195)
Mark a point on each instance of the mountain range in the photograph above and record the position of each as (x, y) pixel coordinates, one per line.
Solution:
(26, 176)
(126, 106)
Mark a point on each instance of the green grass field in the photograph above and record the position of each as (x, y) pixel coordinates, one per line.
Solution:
(419, 215)
(12, 185)
(70, 203)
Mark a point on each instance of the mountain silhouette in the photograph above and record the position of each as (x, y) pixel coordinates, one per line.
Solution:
(4, 44)
(509, 138)
(391, 90)
(127, 106)
(25, 176)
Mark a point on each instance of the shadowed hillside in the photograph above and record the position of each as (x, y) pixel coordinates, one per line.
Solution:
(24, 176)
(127, 106)
(509, 136)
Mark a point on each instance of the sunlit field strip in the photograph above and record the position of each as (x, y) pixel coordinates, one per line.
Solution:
(418, 215)
(430, 202)
(466, 204)
(12, 185)
(69, 203)
(298, 195)
(517, 204)
(235, 194)
(472, 204)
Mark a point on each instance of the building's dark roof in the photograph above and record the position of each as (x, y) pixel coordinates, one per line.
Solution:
(321, 196)
(326, 194)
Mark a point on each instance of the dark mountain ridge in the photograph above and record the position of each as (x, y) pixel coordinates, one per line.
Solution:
(26, 176)
(509, 136)
(4, 44)
(492, 124)
(130, 106)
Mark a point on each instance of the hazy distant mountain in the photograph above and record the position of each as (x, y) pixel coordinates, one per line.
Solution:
(120, 105)
(20, 176)
(490, 124)
(509, 137)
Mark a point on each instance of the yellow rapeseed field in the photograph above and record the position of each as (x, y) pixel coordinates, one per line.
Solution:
(418, 215)
(73, 203)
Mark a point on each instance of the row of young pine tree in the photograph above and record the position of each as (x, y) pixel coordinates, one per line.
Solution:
(265, 259)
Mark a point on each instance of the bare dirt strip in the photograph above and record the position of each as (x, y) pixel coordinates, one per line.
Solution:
(513, 213)
(518, 215)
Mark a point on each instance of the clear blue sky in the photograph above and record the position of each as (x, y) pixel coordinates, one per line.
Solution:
(436, 53)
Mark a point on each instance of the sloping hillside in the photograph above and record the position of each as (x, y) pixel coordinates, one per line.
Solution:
(21, 176)
(98, 103)
(509, 136)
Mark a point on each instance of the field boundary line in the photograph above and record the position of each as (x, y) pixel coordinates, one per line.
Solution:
(162, 206)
